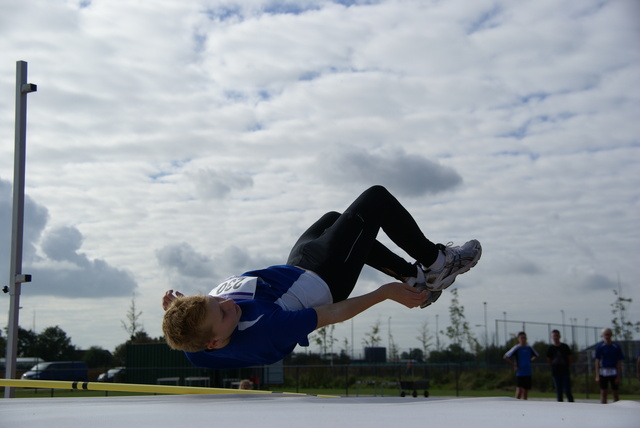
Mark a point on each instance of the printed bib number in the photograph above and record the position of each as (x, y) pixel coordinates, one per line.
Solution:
(237, 288)
(608, 371)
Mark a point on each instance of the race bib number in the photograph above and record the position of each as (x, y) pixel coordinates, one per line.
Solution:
(608, 371)
(236, 288)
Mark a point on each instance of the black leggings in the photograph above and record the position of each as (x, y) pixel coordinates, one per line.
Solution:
(337, 246)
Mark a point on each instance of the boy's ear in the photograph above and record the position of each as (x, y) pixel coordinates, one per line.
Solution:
(212, 344)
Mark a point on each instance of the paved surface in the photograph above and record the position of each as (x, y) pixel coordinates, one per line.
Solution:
(281, 411)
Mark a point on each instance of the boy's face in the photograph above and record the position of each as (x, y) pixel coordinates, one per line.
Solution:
(522, 339)
(222, 319)
(607, 336)
(555, 336)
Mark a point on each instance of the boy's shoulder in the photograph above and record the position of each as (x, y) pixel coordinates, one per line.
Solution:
(566, 348)
(612, 345)
(513, 349)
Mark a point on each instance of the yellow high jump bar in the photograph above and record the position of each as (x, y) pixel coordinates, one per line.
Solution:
(131, 387)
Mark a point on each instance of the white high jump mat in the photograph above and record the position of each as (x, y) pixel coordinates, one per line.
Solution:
(281, 411)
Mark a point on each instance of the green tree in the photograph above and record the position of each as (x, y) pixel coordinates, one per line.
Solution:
(623, 329)
(541, 347)
(414, 354)
(459, 331)
(133, 325)
(424, 338)
(345, 350)
(141, 337)
(453, 354)
(96, 357)
(55, 345)
(372, 338)
(27, 343)
(323, 337)
(394, 350)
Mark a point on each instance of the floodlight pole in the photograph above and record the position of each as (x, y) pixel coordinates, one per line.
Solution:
(16, 277)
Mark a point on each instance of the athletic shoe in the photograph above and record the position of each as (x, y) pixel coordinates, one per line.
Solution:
(458, 260)
(432, 296)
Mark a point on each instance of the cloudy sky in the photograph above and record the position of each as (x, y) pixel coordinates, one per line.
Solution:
(173, 143)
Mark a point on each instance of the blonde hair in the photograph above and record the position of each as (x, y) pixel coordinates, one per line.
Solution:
(183, 324)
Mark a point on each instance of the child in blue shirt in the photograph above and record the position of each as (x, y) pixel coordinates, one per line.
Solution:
(520, 357)
(609, 358)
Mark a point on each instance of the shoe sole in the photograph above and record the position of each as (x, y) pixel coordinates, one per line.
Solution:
(429, 300)
(448, 280)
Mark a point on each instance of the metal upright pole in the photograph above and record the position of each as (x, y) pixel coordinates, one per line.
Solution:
(486, 328)
(16, 278)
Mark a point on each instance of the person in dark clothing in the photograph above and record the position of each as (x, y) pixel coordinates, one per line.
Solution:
(560, 359)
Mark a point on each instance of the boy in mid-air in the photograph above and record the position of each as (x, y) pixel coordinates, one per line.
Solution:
(260, 316)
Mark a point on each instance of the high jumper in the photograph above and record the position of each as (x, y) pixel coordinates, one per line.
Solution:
(260, 316)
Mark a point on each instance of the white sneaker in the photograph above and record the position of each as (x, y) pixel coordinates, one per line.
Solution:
(432, 296)
(458, 260)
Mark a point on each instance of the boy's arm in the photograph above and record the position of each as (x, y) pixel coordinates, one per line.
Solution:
(510, 361)
(347, 309)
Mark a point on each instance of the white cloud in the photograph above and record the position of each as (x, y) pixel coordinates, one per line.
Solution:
(403, 174)
(185, 260)
(212, 184)
(171, 141)
(60, 270)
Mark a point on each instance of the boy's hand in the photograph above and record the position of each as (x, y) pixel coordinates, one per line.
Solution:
(404, 294)
(346, 309)
(169, 297)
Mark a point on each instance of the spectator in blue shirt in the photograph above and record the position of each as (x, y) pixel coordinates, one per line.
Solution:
(609, 358)
(520, 357)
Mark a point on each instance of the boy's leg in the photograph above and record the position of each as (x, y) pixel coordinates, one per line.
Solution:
(313, 232)
(518, 392)
(380, 257)
(439, 265)
(567, 387)
(614, 389)
(388, 262)
(557, 382)
(436, 266)
(338, 245)
(603, 389)
(381, 210)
